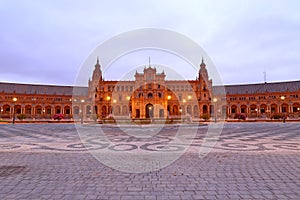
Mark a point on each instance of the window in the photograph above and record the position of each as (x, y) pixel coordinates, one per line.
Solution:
(7, 110)
(28, 110)
(68, 111)
(284, 109)
(39, 111)
(76, 110)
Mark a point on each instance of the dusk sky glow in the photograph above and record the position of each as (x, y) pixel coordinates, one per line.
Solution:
(46, 42)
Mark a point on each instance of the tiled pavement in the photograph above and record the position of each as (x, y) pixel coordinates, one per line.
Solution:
(249, 161)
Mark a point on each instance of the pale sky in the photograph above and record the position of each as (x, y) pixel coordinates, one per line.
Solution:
(46, 42)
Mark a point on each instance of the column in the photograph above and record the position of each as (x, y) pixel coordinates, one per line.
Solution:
(22, 109)
(279, 108)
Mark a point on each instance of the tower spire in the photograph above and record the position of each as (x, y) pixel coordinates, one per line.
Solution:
(97, 60)
(149, 62)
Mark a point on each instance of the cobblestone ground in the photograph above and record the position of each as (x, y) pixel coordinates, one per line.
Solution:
(249, 161)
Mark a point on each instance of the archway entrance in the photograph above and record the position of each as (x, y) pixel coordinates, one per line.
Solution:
(161, 113)
(149, 110)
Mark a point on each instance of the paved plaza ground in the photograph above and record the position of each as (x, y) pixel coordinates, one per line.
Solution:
(247, 161)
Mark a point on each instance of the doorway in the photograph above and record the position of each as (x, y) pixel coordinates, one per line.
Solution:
(149, 110)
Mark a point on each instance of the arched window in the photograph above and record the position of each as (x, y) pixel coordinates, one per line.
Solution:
(67, 110)
(76, 110)
(233, 109)
(88, 110)
(28, 109)
(124, 110)
(38, 110)
(205, 109)
(57, 110)
(189, 109)
(104, 111)
(196, 111)
(150, 95)
(117, 110)
(6, 109)
(48, 110)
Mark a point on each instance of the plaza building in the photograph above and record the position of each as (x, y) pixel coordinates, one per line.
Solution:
(150, 95)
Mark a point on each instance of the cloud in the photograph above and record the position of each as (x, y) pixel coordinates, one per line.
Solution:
(47, 41)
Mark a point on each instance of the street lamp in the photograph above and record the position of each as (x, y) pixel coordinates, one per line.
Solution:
(256, 110)
(82, 102)
(215, 100)
(14, 110)
(282, 98)
(1, 112)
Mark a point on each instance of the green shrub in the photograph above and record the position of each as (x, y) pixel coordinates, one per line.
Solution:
(277, 116)
(205, 117)
(21, 116)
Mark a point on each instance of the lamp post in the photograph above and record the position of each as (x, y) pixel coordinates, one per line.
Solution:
(282, 98)
(1, 112)
(169, 97)
(215, 100)
(82, 102)
(14, 110)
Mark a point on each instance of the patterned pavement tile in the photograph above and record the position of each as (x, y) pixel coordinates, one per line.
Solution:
(249, 161)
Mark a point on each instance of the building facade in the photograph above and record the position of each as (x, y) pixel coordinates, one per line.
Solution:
(150, 95)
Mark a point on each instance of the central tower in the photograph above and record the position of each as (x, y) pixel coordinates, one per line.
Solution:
(148, 99)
